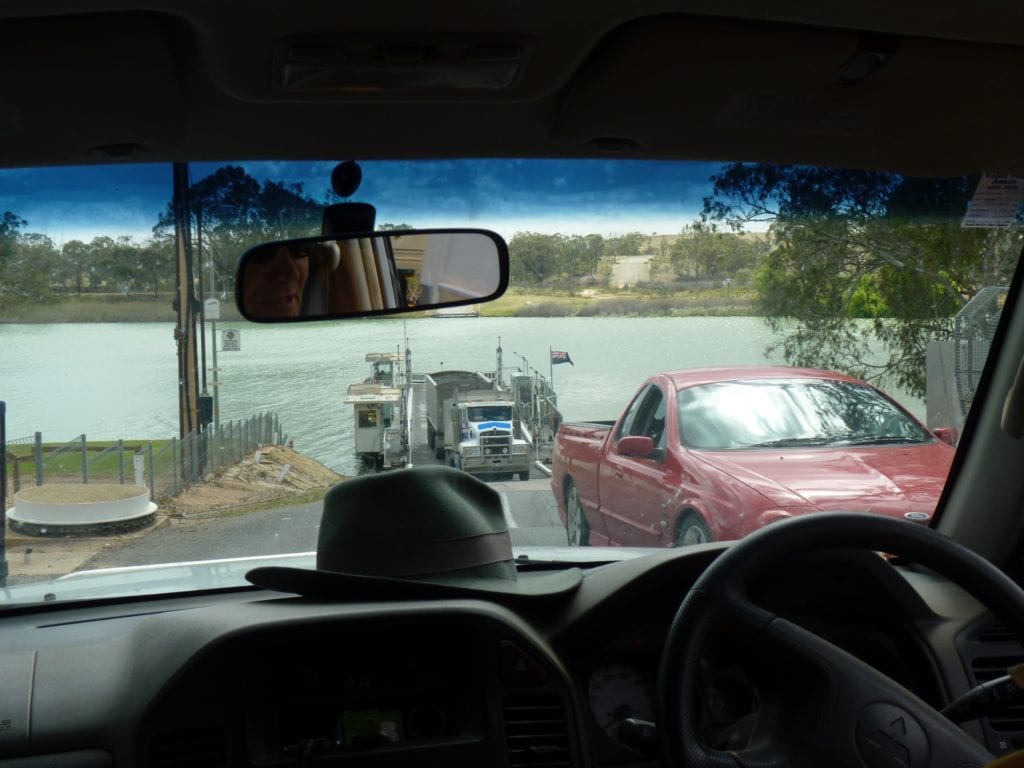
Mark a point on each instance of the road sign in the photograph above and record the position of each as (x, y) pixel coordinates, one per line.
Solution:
(231, 340)
(211, 309)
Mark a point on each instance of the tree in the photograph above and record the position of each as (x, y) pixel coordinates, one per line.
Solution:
(629, 244)
(850, 246)
(535, 257)
(702, 250)
(78, 264)
(10, 223)
(231, 211)
(581, 254)
(32, 267)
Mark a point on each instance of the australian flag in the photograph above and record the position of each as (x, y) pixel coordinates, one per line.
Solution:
(560, 357)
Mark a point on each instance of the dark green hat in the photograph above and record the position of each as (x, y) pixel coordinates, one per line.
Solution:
(421, 532)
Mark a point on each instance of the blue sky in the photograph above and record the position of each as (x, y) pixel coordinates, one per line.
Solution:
(569, 196)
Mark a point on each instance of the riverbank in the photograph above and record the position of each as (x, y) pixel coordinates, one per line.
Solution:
(104, 308)
(517, 302)
(715, 302)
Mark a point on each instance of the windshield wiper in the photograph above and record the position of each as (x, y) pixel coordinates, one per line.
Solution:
(877, 440)
(792, 442)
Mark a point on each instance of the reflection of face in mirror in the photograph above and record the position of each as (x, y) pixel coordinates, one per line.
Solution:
(370, 273)
(274, 280)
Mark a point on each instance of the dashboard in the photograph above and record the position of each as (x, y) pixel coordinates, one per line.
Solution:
(253, 678)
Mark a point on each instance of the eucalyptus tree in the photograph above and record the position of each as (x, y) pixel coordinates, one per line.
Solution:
(861, 260)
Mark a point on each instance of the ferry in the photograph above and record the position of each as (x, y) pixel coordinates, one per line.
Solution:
(379, 401)
(392, 414)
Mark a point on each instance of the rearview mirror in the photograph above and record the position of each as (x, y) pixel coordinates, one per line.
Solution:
(372, 273)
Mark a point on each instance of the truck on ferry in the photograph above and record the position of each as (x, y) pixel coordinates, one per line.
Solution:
(471, 424)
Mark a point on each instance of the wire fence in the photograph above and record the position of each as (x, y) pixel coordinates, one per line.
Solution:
(165, 466)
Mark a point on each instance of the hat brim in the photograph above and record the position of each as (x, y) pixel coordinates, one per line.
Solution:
(536, 585)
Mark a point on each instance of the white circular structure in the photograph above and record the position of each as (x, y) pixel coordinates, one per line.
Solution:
(56, 508)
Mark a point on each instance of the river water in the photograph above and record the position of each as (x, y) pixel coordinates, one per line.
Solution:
(114, 381)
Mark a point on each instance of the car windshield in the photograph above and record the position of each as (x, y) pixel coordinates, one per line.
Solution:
(768, 414)
(148, 423)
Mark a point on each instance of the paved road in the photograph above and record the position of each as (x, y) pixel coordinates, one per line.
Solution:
(529, 509)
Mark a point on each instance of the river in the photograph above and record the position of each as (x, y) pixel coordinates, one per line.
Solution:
(52, 383)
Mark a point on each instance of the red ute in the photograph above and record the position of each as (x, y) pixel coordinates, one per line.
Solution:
(716, 453)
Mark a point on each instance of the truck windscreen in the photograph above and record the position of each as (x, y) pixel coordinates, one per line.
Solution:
(490, 413)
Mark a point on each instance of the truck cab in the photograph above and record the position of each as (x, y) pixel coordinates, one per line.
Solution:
(487, 444)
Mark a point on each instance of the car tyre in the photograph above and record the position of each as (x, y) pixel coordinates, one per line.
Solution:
(691, 529)
(524, 476)
(577, 529)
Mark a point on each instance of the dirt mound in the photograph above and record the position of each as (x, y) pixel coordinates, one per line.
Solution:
(274, 472)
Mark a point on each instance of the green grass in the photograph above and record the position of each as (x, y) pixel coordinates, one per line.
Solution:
(521, 302)
(68, 466)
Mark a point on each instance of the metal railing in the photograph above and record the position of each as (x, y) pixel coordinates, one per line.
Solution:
(166, 468)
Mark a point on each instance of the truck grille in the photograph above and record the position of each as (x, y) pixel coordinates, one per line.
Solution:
(496, 442)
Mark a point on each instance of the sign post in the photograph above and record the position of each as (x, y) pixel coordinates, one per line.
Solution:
(212, 310)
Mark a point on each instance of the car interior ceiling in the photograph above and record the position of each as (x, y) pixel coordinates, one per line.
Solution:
(914, 109)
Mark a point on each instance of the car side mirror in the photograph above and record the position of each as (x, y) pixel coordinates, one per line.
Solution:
(370, 273)
(947, 434)
(637, 446)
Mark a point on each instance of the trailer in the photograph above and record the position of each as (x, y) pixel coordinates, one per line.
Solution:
(442, 386)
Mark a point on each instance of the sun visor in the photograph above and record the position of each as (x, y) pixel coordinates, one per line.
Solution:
(115, 68)
(677, 84)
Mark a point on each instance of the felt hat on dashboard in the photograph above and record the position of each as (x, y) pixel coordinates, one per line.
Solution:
(411, 533)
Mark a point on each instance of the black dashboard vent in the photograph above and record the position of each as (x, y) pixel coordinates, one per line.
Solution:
(536, 732)
(985, 668)
(995, 632)
(192, 748)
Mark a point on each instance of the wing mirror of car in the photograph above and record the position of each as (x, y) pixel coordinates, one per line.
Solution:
(371, 273)
(637, 446)
(947, 434)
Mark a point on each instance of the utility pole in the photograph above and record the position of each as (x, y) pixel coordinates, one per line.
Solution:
(185, 304)
(4, 567)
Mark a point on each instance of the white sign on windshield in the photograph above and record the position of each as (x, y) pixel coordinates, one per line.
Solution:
(996, 201)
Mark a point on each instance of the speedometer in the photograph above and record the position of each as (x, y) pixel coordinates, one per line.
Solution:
(618, 691)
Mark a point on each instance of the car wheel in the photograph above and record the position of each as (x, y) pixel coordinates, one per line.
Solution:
(524, 476)
(577, 530)
(691, 529)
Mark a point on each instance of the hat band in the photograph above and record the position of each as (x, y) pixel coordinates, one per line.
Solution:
(418, 558)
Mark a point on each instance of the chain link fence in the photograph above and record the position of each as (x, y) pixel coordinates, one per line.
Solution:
(166, 466)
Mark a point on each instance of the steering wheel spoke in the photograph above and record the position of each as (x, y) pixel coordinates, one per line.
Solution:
(826, 707)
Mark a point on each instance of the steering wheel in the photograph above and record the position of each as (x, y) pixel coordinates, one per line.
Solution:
(818, 705)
